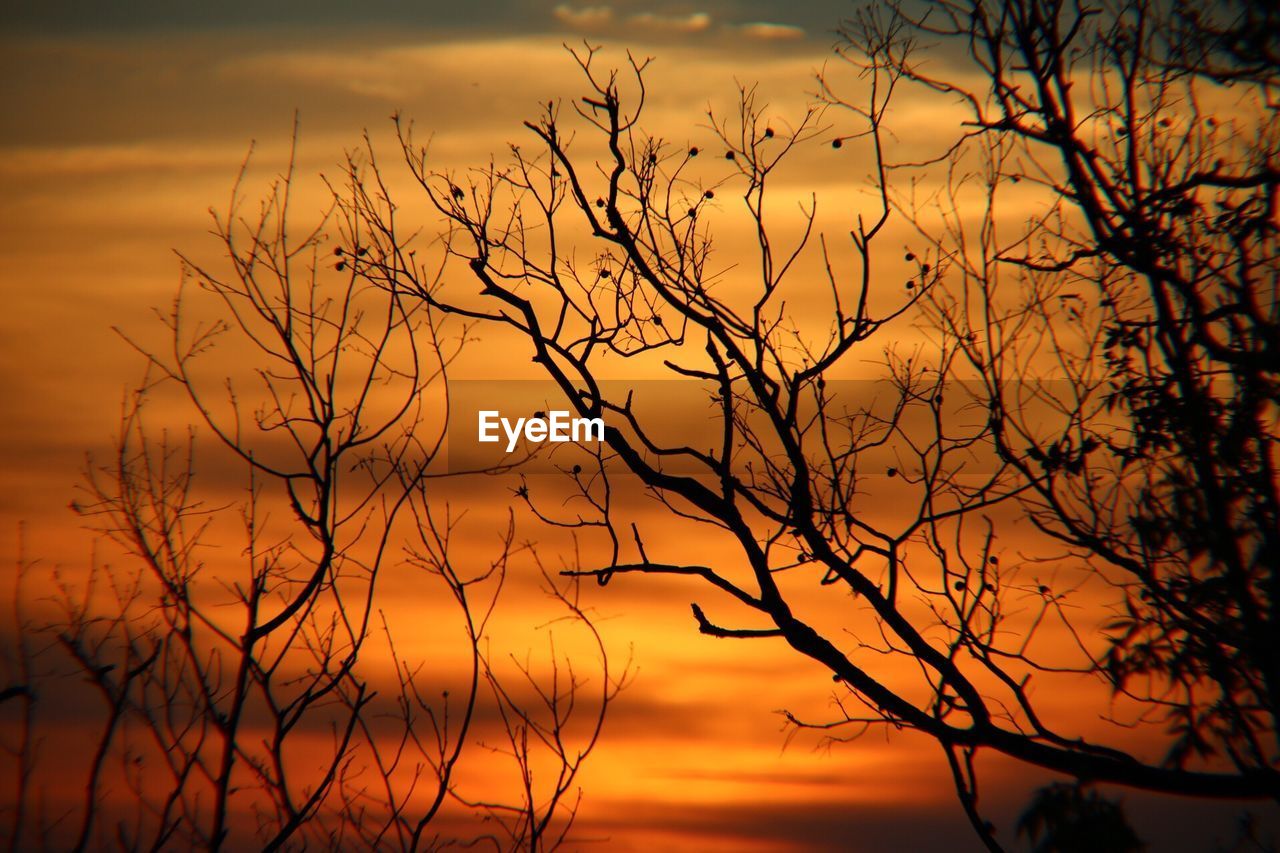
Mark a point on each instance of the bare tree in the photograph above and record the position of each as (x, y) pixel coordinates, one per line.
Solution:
(1125, 337)
(256, 694)
(1170, 379)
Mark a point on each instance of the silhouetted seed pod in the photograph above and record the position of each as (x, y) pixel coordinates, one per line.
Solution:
(362, 251)
(837, 143)
(958, 585)
(993, 561)
(911, 285)
(709, 194)
(729, 155)
(925, 268)
(340, 266)
(458, 193)
(577, 469)
(768, 133)
(657, 321)
(338, 251)
(693, 152)
(605, 273)
(892, 472)
(599, 202)
(909, 257)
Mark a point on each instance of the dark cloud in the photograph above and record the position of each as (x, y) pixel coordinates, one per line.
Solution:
(847, 827)
(853, 826)
(90, 16)
(490, 16)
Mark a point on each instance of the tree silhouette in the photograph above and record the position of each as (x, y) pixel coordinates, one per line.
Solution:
(1145, 296)
(1109, 371)
(1065, 818)
(261, 699)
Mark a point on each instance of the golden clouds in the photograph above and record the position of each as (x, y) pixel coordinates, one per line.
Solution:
(772, 32)
(585, 18)
(603, 19)
(694, 22)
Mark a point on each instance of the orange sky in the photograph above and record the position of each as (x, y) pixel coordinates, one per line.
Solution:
(117, 139)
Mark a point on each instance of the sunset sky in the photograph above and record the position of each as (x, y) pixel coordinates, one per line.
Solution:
(124, 123)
